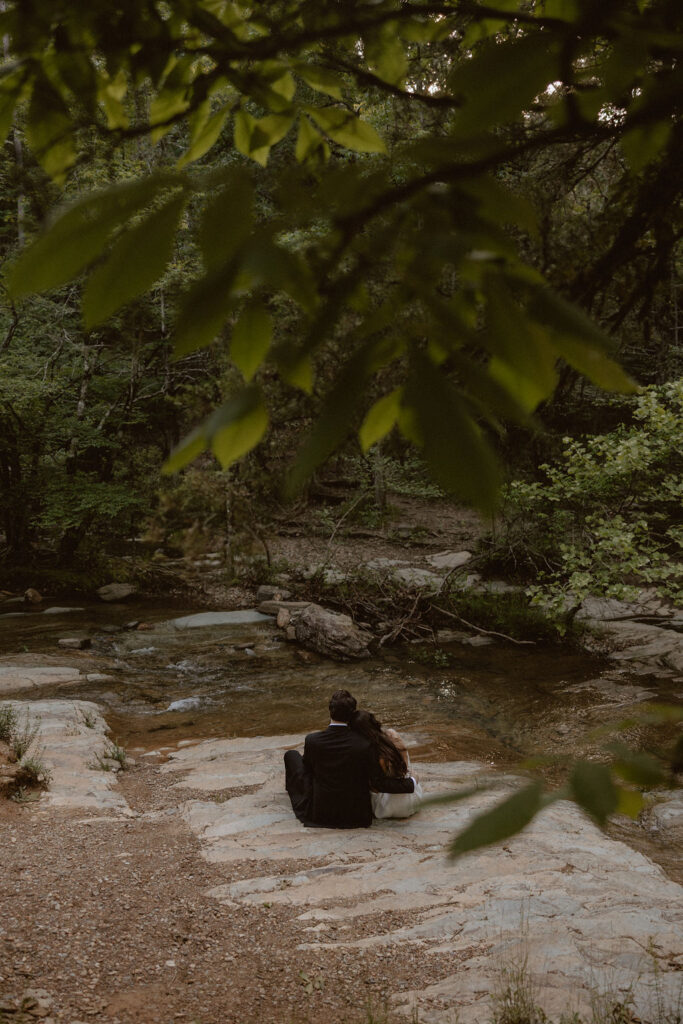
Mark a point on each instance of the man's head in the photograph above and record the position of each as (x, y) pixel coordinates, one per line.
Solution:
(342, 706)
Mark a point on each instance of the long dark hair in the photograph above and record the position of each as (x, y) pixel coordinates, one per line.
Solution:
(365, 723)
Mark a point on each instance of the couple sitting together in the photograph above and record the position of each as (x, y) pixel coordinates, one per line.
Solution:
(351, 771)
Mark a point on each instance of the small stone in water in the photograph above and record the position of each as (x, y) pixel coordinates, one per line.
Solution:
(74, 643)
(186, 704)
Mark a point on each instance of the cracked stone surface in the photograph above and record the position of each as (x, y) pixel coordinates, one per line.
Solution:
(68, 746)
(646, 648)
(583, 908)
(15, 678)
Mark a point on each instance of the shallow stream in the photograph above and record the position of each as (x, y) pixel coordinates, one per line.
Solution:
(494, 703)
(497, 703)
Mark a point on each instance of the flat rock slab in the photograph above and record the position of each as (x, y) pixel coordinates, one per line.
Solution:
(15, 678)
(583, 908)
(117, 591)
(72, 735)
(609, 609)
(449, 559)
(418, 578)
(646, 648)
(202, 619)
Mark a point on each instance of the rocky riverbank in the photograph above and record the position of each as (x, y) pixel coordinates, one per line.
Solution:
(185, 888)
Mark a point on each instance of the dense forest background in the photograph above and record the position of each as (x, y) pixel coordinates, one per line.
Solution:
(573, 182)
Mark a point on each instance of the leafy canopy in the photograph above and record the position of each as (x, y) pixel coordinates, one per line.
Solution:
(474, 331)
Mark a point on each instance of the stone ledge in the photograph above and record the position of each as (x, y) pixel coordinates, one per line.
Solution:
(581, 906)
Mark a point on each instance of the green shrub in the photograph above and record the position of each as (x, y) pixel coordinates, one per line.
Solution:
(605, 519)
(34, 772)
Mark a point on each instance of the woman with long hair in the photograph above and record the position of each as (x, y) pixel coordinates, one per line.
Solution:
(395, 763)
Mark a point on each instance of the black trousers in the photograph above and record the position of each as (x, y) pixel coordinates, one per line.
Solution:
(298, 785)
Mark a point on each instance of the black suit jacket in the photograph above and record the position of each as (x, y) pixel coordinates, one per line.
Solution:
(343, 767)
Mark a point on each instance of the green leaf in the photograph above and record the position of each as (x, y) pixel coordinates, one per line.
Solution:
(642, 145)
(273, 128)
(226, 221)
(481, 28)
(80, 234)
(204, 309)
(348, 130)
(282, 84)
(662, 713)
(205, 136)
(498, 84)
(137, 260)
(320, 79)
(456, 796)
(242, 131)
(504, 820)
(501, 205)
(490, 398)
(457, 455)
(251, 338)
(173, 98)
(188, 449)
(635, 767)
(408, 425)
(385, 54)
(380, 419)
(49, 130)
(424, 29)
(629, 802)
(311, 147)
(579, 340)
(238, 437)
(523, 358)
(254, 138)
(299, 374)
(282, 269)
(335, 420)
(565, 10)
(230, 432)
(111, 93)
(592, 788)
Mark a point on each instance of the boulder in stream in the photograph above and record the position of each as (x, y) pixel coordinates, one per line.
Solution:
(332, 634)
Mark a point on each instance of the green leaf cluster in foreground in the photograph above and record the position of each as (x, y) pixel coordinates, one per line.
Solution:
(409, 255)
(599, 788)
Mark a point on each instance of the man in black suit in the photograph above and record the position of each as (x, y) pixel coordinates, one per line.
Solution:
(330, 785)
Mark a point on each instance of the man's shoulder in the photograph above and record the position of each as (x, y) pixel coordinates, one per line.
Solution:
(334, 734)
(313, 737)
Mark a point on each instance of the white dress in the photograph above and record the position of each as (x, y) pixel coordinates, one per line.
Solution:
(397, 805)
